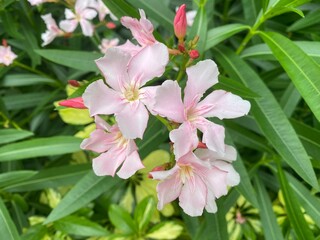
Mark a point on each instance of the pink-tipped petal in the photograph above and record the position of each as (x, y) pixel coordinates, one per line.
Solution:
(101, 100)
(87, 27)
(168, 102)
(185, 139)
(114, 67)
(108, 163)
(68, 25)
(133, 120)
(149, 63)
(201, 77)
(193, 196)
(131, 164)
(99, 141)
(223, 104)
(168, 191)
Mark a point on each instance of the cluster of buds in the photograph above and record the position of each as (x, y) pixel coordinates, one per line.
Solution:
(200, 170)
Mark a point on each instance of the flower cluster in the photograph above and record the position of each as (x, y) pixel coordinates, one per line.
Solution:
(6, 55)
(82, 13)
(201, 170)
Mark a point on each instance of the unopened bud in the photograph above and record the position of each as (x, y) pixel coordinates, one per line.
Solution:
(194, 54)
(111, 25)
(4, 42)
(74, 83)
(181, 47)
(73, 103)
(180, 23)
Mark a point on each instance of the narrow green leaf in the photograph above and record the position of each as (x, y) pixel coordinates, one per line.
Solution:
(156, 10)
(122, 220)
(219, 34)
(7, 228)
(39, 148)
(302, 70)
(19, 80)
(292, 206)
(269, 116)
(80, 226)
(199, 28)
(50, 178)
(121, 8)
(311, 19)
(290, 99)
(74, 59)
(250, 8)
(13, 177)
(24, 100)
(12, 135)
(271, 228)
(144, 212)
(86, 190)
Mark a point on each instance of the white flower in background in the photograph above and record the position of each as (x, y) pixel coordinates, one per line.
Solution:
(108, 43)
(52, 30)
(6, 55)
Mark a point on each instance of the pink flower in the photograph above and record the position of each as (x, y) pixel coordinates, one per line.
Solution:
(180, 23)
(115, 151)
(108, 43)
(102, 10)
(142, 30)
(73, 103)
(219, 103)
(190, 17)
(38, 2)
(82, 15)
(125, 97)
(197, 181)
(52, 29)
(6, 55)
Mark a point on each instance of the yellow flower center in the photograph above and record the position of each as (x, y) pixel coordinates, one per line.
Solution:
(186, 172)
(131, 94)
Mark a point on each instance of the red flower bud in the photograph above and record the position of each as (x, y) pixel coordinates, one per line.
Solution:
(111, 25)
(4, 42)
(180, 23)
(194, 54)
(73, 103)
(74, 83)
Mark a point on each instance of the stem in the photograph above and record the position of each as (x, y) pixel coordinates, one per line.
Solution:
(165, 122)
(14, 124)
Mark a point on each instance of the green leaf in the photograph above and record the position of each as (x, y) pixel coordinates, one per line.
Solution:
(20, 80)
(50, 178)
(121, 8)
(7, 228)
(165, 230)
(269, 116)
(290, 99)
(144, 212)
(12, 135)
(86, 190)
(219, 34)
(199, 28)
(80, 226)
(39, 148)
(74, 59)
(156, 10)
(250, 8)
(122, 220)
(311, 19)
(302, 70)
(12, 177)
(24, 100)
(271, 228)
(292, 206)
(35, 232)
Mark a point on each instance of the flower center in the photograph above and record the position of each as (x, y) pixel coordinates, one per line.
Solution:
(186, 172)
(131, 94)
(121, 141)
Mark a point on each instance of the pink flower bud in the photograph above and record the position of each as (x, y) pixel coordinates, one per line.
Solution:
(74, 83)
(194, 54)
(111, 25)
(4, 43)
(180, 23)
(201, 145)
(73, 103)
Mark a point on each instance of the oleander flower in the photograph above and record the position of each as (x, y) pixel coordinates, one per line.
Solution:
(115, 151)
(125, 96)
(6, 55)
(83, 13)
(38, 2)
(52, 29)
(102, 10)
(108, 43)
(193, 110)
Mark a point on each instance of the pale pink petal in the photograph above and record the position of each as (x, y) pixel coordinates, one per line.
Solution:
(114, 67)
(68, 25)
(185, 139)
(108, 163)
(81, 5)
(147, 96)
(69, 14)
(168, 102)
(131, 147)
(161, 175)
(223, 104)
(201, 77)
(88, 14)
(213, 135)
(100, 99)
(211, 206)
(101, 124)
(229, 155)
(99, 141)
(216, 181)
(149, 63)
(233, 178)
(193, 196)
(131, 164)
(133, 120)
(168, 190)
(130, 48)
(87, 27)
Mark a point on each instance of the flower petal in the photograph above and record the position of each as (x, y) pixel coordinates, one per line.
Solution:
(101, 124)
(88, 14)
(69, 14)
(114, 67)
(99, 141)
(201, 77)
(168, 102)
(68, 25)
(133, 120)
(229, 155)
(211, 206)
(161, 175)
(131, 164)
(147, 96)
(193, 196)
(130, 48)
(216, 181)
(87, 27)
(223, 104)
(233, 178)
(185, 139)
(100, 99)
(149, 63)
